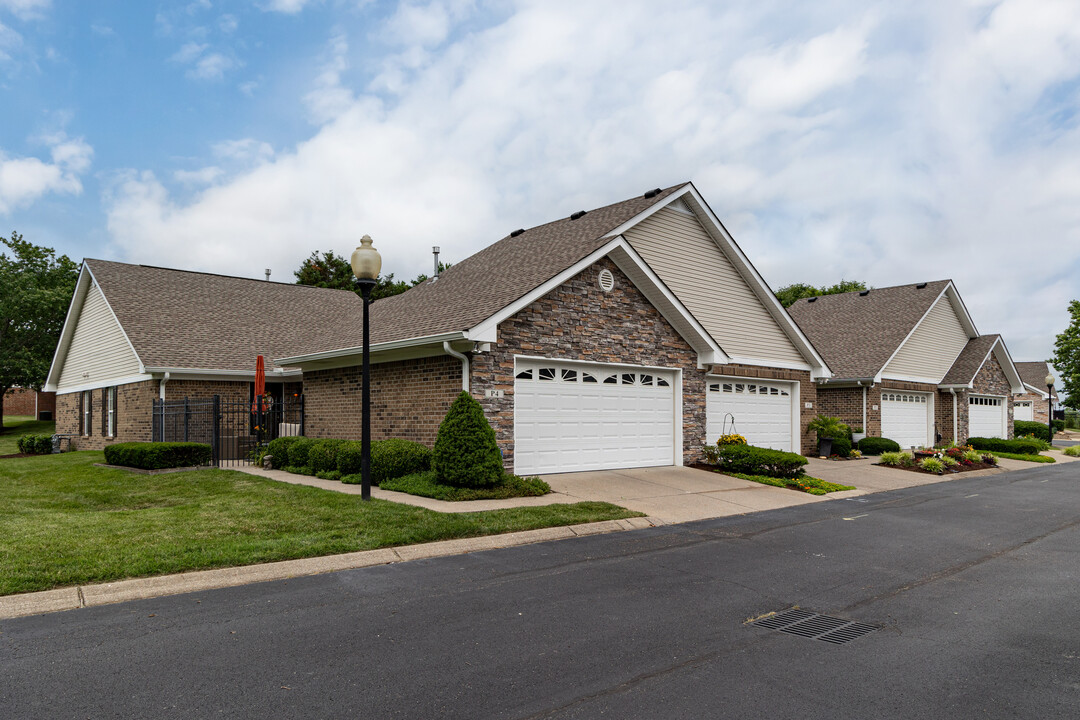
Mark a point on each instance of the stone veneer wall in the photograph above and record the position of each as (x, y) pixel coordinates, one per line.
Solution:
(134, 403)
(1039, 406)
(808, 393)
(579, 321)
(409, 398)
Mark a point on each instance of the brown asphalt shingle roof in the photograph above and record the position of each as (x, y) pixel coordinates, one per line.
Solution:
(856, 334)
(970, 360)
(1034, 374)
(181, 319)
(177, 318)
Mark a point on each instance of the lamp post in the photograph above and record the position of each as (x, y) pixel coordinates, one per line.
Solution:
(1050, 405)
(366, 264)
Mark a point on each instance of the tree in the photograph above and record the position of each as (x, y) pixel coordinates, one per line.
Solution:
(35, 290)
(1067, 358)
(797, 291)
(330, 270)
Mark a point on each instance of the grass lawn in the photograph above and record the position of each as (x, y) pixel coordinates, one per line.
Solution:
(426, 485)
(1028, 458)
(65, 522)
(807, 484)
(15, 426)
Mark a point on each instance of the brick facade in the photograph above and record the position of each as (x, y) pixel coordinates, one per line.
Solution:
(134, 403)
(579, 321)
(24, 401)
(808, 393)
(846, 403)
(409, 398)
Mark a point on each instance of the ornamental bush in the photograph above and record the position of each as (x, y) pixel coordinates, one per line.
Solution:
(1022, 447)
(35, 444)
(841, 446)
(933, 465)
(278, 449)
(897, 459)
(466, 454)
(878, 445)
(750, 460)
(392, 458)
(322, 455)
(298, 452)
(1073, 451)
(1027, 427)
(158, 455)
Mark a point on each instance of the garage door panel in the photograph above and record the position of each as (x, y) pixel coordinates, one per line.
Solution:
(905, 418)
(986, 417)
(762, 411)
(564, 423)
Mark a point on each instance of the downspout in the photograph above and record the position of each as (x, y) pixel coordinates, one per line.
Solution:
(161, 394)
(161, 386)
(464, 364)
(955, 439)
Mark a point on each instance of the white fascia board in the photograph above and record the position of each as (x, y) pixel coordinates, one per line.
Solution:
(961, 310)
(770, 364)
(112, 382)
(142, 367)
(176, 373)
(1034, 391)
(1004, 358)
(911, 378)
(690, 195)
(68, 331)
(301, 360)
(654, 290)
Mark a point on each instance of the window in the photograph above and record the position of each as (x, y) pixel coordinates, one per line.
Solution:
(569, 375)
(588, 377)
(661, 382)
(525, 375)
(110, 422)
(547, 374)
(87, 404)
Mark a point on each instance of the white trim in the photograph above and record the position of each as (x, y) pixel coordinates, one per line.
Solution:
(627, 259)
(1012, 374)
(908, 378)
(534, 358)
(719, 234)
(180, 373)
(375, 347)
(104, 383)
(736, 360)
(1034, 390)
(796, 402)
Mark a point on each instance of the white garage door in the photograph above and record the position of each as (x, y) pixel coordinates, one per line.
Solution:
(986, 417)
(570, 417)
(904, 418)
(761, 411)
(1023, 411)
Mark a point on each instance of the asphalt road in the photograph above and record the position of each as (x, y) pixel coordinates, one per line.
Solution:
(974, 583)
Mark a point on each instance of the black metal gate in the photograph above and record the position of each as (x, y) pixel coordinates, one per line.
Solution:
(234, 429)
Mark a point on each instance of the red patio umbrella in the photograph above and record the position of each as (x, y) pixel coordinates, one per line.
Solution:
(260, 377)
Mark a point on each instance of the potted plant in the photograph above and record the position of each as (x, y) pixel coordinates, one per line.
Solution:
(857, 434)
(827, 429)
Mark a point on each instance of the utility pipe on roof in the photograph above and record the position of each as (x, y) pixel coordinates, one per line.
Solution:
(464, 364)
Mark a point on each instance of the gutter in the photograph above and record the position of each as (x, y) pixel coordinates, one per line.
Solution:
(376, 347)
(464, 364)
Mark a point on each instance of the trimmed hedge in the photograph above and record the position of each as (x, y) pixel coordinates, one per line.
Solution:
(1020, 447)
(466, 454)
(298, 452)
(322, 456)
(1059, 426)
(390, 459)
(878, 445)
(751, 460)
(158, 455)
(1029, 427)
(278, 449)
(841, 447)
(35, 444)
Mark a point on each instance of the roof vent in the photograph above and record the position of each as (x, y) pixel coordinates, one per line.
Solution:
(517, 232)
(920, 286)
(578, 214)
(652, 193)
(813, 299)
(864, 293)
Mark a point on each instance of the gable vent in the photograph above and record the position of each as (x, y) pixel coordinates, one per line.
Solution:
(517, 232)
(578, 214)
(864, 293)
(607, 280)
(652, 193)
(920, 286)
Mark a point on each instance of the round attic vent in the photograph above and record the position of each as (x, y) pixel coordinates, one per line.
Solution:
(607, 280)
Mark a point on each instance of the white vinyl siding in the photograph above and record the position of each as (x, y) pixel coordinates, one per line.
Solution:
(691, 264)
(931, 350)
(99, 351)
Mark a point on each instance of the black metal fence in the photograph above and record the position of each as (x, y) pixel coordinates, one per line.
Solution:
(233, 429)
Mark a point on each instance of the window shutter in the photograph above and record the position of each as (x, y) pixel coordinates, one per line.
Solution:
(104, 412)
(89, 396)
(116, 411)
(79, 420)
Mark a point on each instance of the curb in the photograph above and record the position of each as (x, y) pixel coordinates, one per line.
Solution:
(50, 601)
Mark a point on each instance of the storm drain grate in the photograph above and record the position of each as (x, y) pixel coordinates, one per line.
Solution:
(814, 626)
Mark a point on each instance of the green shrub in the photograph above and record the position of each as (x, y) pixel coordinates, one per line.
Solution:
(279, 450)
(158, 455)
(1027, 427)
(35, 444)
(299, 470)
(466, 454)
(1042, 444)
(298, 452)
(390, 458)
(328, 475)
(1073, 451)
(989, 459)
(949, 461)
(751, 460)
(1059, 426)
(322, 456)
(878, 445)
(933, 465)
(973, 456)
(897, 459)
(425, 484)
(1020, 447)
(841, 447)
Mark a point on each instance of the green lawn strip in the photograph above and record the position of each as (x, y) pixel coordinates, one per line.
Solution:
(425, 485)
(812, 485)
(15, 426)
(66, 522)
(1028, 458)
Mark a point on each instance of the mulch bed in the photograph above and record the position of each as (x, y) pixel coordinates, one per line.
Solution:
(947, 471)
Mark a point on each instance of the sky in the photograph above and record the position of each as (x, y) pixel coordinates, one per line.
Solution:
(884, 142)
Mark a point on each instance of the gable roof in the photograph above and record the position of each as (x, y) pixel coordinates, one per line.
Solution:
(1034, 376)
(857, 334)
(183, 320)
(970, 360)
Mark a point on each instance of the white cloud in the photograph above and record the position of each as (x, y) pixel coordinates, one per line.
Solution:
(26, 9)
(212, 66)
(202, 176)
(23, 180)
(890, 145)
(102, 30)
(228, 24)
(288, 7)
(10, 41)
(188, 52)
